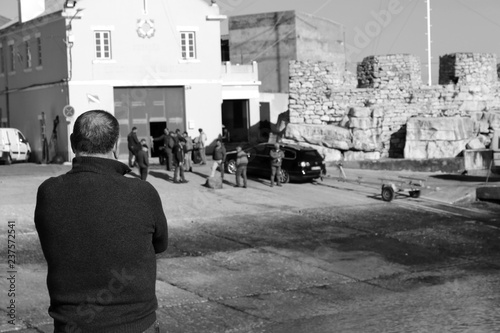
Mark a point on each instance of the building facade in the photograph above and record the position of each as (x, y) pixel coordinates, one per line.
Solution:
(154, 64)
(276, 38)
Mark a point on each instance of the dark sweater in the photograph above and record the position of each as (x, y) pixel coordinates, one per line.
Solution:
(219, 153)
(142, 159)
(99, 233)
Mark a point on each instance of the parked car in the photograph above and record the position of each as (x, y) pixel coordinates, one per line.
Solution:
(300, 163)
(13, 146)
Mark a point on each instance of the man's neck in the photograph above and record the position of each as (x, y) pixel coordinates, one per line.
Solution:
(109, 155)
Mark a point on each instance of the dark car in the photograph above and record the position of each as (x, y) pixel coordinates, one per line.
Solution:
(300, 163)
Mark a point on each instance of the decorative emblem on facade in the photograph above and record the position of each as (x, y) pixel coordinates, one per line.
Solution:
(146, 28)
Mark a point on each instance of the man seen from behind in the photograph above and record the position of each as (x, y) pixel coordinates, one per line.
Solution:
(99, 233)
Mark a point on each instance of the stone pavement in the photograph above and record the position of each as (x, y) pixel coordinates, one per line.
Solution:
(198, 287)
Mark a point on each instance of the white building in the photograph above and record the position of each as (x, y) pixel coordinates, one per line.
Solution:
(152, 63)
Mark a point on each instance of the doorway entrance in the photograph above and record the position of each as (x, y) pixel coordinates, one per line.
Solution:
(157, 128)
(235, 118)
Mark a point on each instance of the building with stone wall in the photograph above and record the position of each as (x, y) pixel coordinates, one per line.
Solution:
(389, 113)
(275, 38)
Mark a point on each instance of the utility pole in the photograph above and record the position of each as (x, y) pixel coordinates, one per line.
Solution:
(429, 57)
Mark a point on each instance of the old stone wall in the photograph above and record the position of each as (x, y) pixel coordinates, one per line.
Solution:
(390, 71)
(377, 116)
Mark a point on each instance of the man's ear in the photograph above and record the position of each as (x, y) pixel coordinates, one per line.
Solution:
(71, 139)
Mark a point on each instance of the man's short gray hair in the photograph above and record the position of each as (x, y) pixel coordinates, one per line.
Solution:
(95, 132)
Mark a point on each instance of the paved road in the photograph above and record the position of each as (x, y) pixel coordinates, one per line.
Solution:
(323, 257)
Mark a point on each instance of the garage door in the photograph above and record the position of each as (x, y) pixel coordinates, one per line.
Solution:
(140, 106)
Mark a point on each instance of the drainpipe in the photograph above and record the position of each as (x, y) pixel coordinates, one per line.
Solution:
(6, 74)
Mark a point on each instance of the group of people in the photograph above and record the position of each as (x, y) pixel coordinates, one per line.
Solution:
(178, 150)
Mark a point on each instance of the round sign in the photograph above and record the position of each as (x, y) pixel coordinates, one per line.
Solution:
(68, 111)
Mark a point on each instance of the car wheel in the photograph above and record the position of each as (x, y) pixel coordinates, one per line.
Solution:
(284, 177)
(231, 167)
(28, 155)
(8, 161)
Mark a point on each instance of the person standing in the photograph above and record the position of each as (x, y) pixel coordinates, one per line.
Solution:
(178, 154)
(143, 160)
(277, 156)
(133, 146)
(188, 150)
(171, 141)
(100, 232)
(241, 164)
(202, 139)
(168, 144)
(219, 156)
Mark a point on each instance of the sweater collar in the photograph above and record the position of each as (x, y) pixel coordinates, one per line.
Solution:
(98, 165)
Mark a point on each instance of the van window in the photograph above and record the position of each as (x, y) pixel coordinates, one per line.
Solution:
(21, 137)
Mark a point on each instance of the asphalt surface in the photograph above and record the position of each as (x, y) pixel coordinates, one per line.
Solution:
(239, 288)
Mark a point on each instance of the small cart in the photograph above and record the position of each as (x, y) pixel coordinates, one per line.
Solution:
(390, 186)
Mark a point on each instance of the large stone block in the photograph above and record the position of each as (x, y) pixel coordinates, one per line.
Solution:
(321, 135)
(365, 140)
(476, 143)
(416, 150)
(433, 149)
(444, 149)
(440, 129)
(361, 123)
(360, 156)
(214, 182)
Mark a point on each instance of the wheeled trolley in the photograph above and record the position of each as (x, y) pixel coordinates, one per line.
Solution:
(390, 186)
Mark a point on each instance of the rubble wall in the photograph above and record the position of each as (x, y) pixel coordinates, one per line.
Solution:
(392, 93)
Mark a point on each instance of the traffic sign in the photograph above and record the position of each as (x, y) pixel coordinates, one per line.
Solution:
(68, 111)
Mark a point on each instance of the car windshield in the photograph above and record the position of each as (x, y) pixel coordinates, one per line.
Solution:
(310, 154)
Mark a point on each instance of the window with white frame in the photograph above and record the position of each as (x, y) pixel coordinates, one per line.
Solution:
(27, 60)
(102, 44)
(188, 45)
(39, 50)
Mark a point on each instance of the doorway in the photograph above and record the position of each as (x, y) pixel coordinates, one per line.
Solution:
(235, 119)
(156, 128)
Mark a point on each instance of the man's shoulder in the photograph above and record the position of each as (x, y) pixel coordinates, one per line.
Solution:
(50, 182)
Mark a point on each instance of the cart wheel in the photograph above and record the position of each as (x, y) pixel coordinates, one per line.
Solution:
(415, 194)
(387, 193)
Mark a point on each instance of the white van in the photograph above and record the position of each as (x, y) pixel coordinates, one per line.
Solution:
(13, 146)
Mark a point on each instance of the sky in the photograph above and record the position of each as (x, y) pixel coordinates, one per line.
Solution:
(385, 26)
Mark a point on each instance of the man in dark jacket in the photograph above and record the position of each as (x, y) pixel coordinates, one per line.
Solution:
(143, 161)
(178, 153)
(168, 143)
(219, 156)
(133, 146)
(100, 232)
(277, 156)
